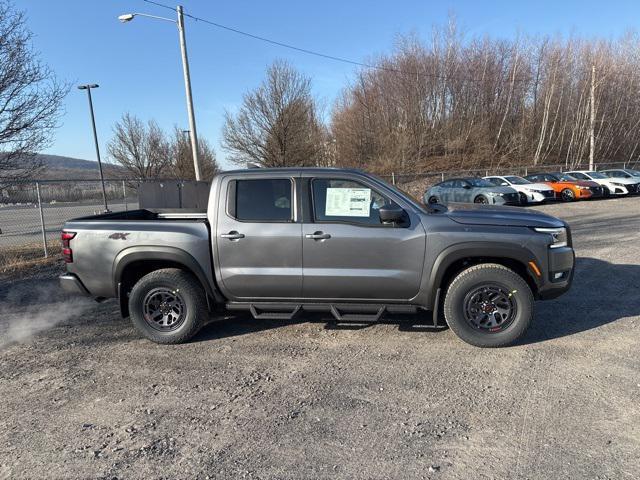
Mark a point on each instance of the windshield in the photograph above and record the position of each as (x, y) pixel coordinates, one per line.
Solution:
(564, 177)
(597, 175)
(634, 172)
(403, 193)
(479, 182)
(518, 180)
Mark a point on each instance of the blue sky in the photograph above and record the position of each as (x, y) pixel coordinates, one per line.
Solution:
(138, 64)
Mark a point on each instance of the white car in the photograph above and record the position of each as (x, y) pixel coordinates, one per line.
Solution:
(628, 177)
(529, 192)
(612, 187)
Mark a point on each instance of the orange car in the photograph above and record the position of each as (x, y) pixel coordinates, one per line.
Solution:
(568, 188)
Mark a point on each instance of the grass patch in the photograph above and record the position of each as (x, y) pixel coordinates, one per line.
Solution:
(14, 259)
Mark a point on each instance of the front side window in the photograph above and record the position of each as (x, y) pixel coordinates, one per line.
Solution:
(579, 176)
(336, 200)
(263, 200)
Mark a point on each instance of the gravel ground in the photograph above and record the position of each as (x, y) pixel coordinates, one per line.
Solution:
(84, 396)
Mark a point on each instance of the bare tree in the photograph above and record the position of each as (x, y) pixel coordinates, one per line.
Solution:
(277, 124)
(182, 158)
(30, 97)
(142, 149)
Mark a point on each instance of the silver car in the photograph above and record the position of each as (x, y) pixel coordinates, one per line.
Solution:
(471, 190)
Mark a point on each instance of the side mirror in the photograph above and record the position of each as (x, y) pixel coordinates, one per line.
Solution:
(504, 184)
(466, 186)
(390, 214)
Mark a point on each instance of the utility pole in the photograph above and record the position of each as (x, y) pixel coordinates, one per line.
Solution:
(88, 88)
(592, 140)
(187, 87)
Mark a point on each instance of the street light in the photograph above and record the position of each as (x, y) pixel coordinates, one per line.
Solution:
(88, 88)
(187, 78)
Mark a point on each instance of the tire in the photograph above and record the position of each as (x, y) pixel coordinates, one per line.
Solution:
(474, 283)
(481, 199)
(567, 195)
(179, 303)
(523, 198)
(432, 200)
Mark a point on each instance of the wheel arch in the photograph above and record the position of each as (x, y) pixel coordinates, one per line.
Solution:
(133, 263)
(459, 257)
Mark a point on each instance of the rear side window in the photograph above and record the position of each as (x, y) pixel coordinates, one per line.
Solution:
(263, 200)
(579, 176)
(347, 201)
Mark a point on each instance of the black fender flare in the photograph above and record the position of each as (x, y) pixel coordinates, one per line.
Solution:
(162, 253)
(480, 249)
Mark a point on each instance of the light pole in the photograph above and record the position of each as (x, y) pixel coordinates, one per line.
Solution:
(187, 77)
(88, 88)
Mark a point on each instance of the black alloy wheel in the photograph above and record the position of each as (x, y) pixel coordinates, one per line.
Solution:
(164, 309)
(490, 308)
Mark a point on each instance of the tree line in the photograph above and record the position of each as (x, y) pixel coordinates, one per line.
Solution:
(447, 104)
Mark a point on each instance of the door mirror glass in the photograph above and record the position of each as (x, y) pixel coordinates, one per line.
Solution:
(391, 214)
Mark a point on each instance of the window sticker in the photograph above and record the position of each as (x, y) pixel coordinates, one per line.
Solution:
(348, 202)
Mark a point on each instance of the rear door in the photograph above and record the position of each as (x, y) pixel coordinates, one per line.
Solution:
(258, 237)
(348, 253)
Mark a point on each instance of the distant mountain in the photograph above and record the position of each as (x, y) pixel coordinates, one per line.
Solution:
(60, 167)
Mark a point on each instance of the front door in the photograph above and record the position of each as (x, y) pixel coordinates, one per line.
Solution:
(258, 241)
(348, 253)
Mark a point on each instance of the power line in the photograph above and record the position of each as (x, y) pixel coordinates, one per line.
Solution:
(336, 58)
(313, 52)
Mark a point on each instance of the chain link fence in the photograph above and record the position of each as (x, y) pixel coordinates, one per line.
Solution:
(32, 212)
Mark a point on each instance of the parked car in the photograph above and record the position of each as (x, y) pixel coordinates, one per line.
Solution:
(279, 242)
(610, 187)
(471, 190)
(529, 192)
(568, 188)
(630, 178)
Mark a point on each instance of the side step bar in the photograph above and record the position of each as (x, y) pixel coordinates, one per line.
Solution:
(350, 312)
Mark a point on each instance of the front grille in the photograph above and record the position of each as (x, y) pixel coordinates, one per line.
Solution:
(633, 188)
(596, 191)
(548, 193)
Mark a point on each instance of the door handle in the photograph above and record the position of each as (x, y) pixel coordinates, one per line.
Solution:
(317, 236)
(233, 235)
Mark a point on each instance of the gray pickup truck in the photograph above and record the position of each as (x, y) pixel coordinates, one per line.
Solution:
(281, 242)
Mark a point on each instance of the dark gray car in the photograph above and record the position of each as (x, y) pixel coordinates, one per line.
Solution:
(471, 190)
(281, 242)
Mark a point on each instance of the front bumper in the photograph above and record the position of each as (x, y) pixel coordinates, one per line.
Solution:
(559, 275)
(70, 283)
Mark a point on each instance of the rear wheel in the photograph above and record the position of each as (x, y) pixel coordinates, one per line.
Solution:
(488, 305)
(481, 199)
(168, 306)
(567, 195)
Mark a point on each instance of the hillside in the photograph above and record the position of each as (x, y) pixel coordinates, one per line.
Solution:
(61, 167)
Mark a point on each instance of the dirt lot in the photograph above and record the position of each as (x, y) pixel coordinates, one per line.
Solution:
(83, 396)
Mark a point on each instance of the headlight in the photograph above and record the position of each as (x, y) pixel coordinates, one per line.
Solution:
(496, 194)
(558, 236)
(618, 184)
(580, 187)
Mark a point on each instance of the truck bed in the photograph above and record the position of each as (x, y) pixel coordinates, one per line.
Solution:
(149, 215)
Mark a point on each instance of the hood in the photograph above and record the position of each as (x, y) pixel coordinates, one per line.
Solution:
(476, 214)
(584, 183)
(537, 186)
(498, 189)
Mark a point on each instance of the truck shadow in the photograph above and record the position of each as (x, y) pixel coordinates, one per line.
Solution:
(602, 293)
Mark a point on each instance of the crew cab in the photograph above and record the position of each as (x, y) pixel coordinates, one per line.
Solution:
(281, 242)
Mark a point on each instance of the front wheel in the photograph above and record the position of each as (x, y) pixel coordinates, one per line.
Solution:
(488, 305)
(433, 200)
(481, 199)
(168, 306)
(567, 195)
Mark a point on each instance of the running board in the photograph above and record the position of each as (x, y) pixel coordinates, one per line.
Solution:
(342, 312)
